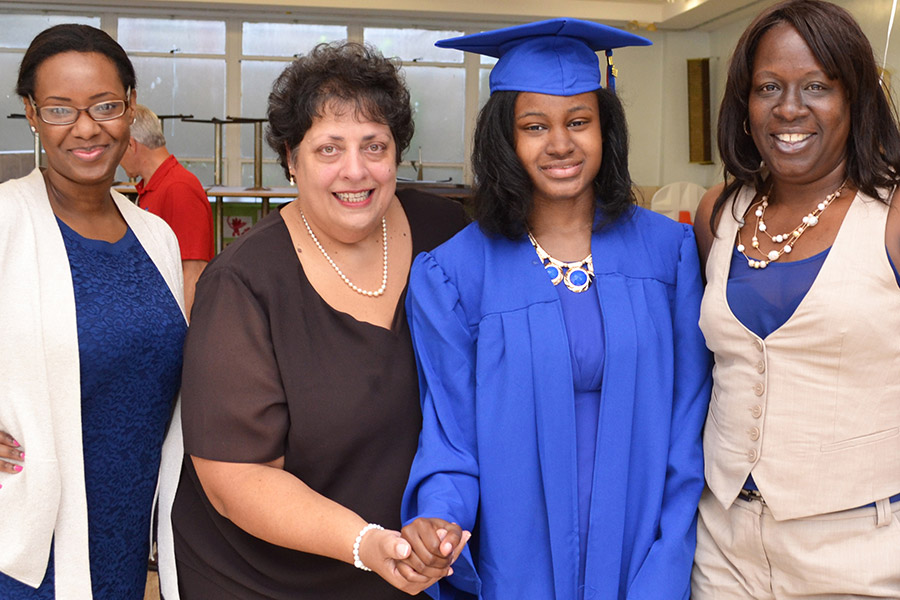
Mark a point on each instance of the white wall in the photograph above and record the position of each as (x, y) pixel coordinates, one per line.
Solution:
(653, 88)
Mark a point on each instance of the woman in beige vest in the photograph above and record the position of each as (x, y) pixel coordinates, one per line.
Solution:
(802, 311)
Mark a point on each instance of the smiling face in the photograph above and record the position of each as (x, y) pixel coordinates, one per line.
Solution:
(799, 117)
(559, 143)
(85, 152)
(346, 172)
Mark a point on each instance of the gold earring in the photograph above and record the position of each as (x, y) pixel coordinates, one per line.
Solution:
(292, 180)
(746, 127)
(33, 130)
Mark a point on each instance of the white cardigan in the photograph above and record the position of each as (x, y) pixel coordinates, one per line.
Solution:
(40, 399)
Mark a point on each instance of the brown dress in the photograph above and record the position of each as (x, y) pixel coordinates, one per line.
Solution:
(270, 369)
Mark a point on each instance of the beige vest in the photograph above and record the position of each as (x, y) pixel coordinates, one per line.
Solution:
(813, 410)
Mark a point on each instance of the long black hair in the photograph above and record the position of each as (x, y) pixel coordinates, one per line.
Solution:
(503, 192)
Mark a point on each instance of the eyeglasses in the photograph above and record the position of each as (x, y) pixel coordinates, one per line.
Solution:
(53, 114)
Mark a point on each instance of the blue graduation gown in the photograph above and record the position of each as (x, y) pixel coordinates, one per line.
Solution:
(497, 448)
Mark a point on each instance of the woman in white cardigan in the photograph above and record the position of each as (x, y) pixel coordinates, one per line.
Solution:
(91, 329)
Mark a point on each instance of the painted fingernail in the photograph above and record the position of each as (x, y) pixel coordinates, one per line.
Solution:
(17, 468)
(15, 443)
(21, 456)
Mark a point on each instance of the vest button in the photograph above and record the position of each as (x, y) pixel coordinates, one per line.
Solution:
(760, 367)
(758, 389)
(759, 345)
(752, 455)
(756, 411)
(754, 433)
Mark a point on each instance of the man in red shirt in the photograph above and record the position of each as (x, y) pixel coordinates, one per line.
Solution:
(169, 190)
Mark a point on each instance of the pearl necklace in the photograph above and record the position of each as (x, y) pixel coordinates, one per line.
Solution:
(346, 280)
(576, 275)
(810, 220)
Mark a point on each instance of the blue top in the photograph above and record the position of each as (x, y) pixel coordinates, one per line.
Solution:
(130, 335)
(498, 447)
(764, 299)
(584, 330)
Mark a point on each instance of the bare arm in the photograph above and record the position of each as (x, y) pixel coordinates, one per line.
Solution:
(192, 270)
(702, 230)
(273, 505)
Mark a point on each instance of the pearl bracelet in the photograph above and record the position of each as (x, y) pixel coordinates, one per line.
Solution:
(356, 561)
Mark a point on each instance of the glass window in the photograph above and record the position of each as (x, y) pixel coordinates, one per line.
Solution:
(16, 134)
(204, 170)
(287, 39)
(413, 45)
(257, 78)
(449, 175)
(172, 35)
(272, 176)
(484, 87)
(438, 99)
(184, 86)
(19, 30)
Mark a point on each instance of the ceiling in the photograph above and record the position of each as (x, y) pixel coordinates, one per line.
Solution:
(663, 14)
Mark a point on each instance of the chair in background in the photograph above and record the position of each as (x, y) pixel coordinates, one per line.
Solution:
(678, 201)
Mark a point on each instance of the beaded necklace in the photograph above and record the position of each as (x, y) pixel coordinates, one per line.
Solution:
(810, 220)
(344, 278)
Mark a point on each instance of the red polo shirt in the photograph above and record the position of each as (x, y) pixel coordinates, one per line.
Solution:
(176, 195)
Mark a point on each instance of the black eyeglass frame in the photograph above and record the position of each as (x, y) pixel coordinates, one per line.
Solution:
(38, 110)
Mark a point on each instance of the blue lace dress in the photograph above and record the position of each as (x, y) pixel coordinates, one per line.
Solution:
(130, 336)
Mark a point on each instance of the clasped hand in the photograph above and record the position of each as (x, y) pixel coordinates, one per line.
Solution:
(10, 450)
(415, 559)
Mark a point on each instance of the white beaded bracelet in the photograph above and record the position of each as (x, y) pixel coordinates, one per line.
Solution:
(356, 561)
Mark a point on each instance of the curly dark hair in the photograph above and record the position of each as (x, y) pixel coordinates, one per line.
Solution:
(342, 72)
(840, 46)
(503, 192)
(70, 37)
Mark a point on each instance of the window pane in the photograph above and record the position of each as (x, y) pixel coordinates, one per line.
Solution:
(411, 45)
(205, 171)
(448, 175)
(257, 78)
(19, 30)
(187, 86)
(287, 39)
(16, 134)
(172, 35)
(272, 176)
(484, 87)
(438, 99)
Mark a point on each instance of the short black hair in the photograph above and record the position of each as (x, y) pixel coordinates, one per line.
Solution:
(71, 37)
(503, 191)
(342, 72)
(841, 47)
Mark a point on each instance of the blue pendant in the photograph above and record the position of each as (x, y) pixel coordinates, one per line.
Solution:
(555, 274)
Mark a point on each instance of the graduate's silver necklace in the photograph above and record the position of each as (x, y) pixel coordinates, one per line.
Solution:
(576, 275)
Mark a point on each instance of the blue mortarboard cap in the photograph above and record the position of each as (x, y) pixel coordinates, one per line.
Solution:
(555, 57)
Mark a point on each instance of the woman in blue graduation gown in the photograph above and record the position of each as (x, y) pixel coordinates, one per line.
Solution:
(564, 379)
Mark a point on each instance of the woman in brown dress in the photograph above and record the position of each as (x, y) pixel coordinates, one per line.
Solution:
(301, 412)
